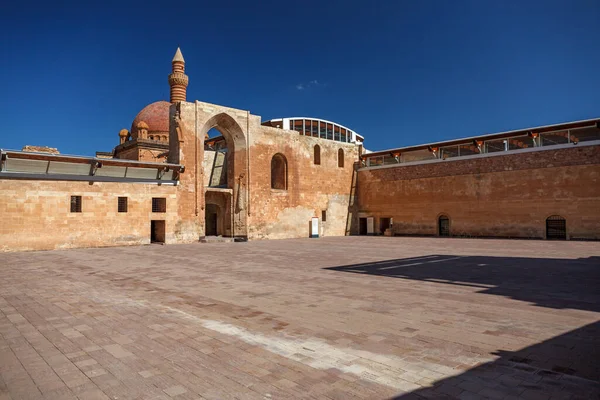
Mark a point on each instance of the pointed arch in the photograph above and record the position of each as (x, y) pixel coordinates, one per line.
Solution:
(279, 172)
(341, 158)
(317, 155)
(235, 140)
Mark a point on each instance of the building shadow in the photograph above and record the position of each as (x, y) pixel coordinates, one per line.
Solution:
(546, 282)
(566, 366)
(563, 367)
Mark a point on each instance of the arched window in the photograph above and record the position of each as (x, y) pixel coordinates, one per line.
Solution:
(444, 225)
(341, 158)
(279, 172)
(556, 228)
(151, 137)
(317, 154)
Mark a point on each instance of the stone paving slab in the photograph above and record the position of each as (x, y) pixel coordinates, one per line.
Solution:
(329, 318)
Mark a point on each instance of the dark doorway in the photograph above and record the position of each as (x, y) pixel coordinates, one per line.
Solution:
(212, 220)
(556, 228)
(444, 225)
(384, 224)
(362, 225)
(157, 231)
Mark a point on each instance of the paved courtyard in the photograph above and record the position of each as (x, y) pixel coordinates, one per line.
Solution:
(329, 318)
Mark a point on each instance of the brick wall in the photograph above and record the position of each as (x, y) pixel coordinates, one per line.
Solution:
(311, 188)
(507, 196)
(258, 211)
(35, 215)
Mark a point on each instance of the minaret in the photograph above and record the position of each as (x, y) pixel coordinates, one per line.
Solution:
(178, 80)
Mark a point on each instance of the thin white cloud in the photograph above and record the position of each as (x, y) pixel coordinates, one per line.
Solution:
(311, 84)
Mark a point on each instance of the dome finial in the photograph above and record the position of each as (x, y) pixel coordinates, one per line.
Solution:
(178, 56)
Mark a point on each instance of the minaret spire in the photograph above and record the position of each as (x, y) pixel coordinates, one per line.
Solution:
(178, 80)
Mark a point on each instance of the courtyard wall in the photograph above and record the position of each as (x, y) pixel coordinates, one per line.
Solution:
(311, 188)
(255, 210)
(501, 196)
(36, 215)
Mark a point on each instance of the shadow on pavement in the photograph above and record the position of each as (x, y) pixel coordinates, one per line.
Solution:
(566, 366)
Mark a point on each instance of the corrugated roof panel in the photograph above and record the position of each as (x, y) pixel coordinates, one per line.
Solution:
(168, 176)
(59, 167)
(142, 173)
(27, 166)
(110, 170)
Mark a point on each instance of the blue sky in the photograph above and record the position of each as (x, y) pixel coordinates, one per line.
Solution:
(398, 72)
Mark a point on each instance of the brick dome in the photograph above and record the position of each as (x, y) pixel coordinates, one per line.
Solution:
(156, 116)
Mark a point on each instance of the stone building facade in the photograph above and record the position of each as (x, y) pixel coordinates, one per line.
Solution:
(168, 181)
(510, 195)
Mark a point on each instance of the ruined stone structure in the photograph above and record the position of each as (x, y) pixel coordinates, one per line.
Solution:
(168, 181)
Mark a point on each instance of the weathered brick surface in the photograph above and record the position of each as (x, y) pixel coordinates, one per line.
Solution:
(311, 188)
(509, 195)
(258, 210)
(329, 318)
(35, 215)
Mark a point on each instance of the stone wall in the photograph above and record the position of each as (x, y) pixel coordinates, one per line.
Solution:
(255, 210)
(191, 122)
(35, 215)
(501, 196)
(311, 189)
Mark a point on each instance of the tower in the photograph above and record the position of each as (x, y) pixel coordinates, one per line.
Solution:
(178, 80)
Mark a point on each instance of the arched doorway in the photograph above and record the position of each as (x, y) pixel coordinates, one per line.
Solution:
(443, 226)
(556, 228)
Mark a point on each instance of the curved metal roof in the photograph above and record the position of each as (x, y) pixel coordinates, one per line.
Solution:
(315, 119)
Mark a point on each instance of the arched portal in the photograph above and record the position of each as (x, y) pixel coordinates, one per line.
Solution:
(227, 179)
(191, 122)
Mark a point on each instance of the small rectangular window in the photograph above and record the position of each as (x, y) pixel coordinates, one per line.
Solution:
(336, 133)
(159, 204)
(298, 126)
(330, 131)
(324, 216)
(122, 204)
(314, 128)
(343, 136)
(322, 129)
(75, 204)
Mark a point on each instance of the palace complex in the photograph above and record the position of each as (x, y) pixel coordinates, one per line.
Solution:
(168, 181)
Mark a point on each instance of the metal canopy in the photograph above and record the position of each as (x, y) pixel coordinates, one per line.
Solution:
(41, 166)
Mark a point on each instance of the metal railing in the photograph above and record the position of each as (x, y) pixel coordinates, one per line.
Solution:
(478, 147)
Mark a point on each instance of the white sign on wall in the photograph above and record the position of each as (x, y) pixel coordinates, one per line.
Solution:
(370, 226)
(314, 227)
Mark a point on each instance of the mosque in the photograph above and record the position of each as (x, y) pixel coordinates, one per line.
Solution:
(168, 181)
